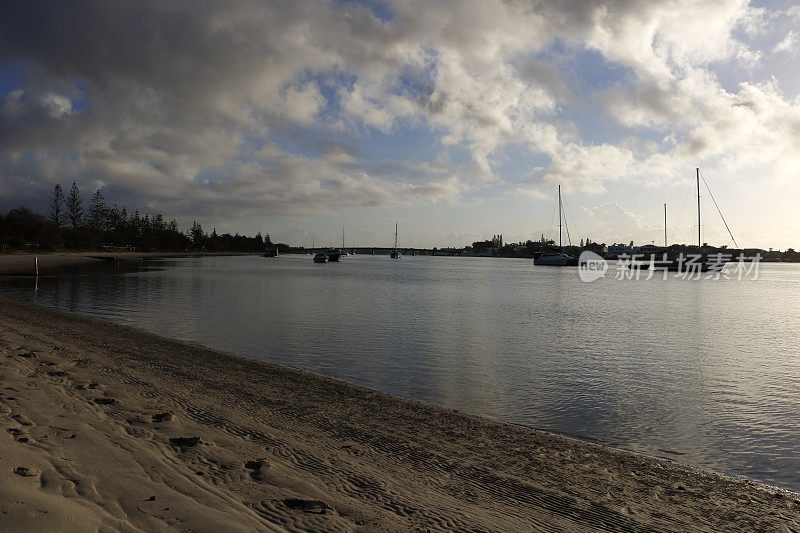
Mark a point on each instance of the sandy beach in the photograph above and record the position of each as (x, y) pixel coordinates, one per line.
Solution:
(107, 428)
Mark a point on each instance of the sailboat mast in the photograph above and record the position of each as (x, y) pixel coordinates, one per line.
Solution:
(699, 243)
(342, 237)
(395, 236)
(666, 245)
(559, 219)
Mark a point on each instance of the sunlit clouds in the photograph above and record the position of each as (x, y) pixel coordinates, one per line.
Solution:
(282, 114)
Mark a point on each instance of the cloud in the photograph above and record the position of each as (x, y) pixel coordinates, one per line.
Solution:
(611, 221)
(57, 105)
(789, 45)
(250, 107)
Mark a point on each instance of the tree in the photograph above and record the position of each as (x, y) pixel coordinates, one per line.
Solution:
(74, 206)
(98, 212)
(196, 234)
(57, 205)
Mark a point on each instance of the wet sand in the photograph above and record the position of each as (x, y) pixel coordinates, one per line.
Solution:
(108, 428)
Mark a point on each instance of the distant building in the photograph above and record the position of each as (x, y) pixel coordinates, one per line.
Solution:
(619, 249)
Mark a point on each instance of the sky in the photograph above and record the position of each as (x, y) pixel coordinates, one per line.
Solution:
(457, 120)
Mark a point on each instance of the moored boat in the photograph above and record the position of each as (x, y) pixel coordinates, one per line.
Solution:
(395, 252)
(559, 259)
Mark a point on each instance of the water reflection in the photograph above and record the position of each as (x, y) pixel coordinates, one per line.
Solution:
(699, 371)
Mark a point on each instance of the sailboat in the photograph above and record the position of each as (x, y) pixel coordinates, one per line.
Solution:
(694, 263)
(343, 251)
(560, 258)
(690, 262)
(395, 251)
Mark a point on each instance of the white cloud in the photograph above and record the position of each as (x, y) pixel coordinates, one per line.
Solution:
(614, 223)
(789, 45)
(57, 105)
(200, 107)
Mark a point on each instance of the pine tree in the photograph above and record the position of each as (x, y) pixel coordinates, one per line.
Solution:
(136, 223)
(196, 234)
(158, 222)
(57, 205)
(98, 212)
(75, 206)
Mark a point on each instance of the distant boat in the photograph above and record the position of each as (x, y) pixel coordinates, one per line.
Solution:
(343, 251)
(556, 259)
(699, 264)
(270, 252)
(395, 252)
(320, 258)
(692, 262)
(332, 254)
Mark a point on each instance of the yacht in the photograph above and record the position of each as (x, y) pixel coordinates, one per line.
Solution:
(556, 258)
(395, 252)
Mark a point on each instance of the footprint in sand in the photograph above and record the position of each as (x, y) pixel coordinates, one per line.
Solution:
(185, 442)
(163, 417)
(24, 471)
(257, 468)
(18, 434)
(23, 420)
(309, 506)
(105, 401)
(4, 409)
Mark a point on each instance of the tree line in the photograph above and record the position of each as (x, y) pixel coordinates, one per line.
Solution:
(70, 225)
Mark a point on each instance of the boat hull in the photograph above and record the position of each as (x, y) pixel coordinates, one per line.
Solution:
(680, 266)
(559, 260)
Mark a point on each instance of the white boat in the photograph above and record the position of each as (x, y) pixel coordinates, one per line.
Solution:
(559, 259)
(555, 259)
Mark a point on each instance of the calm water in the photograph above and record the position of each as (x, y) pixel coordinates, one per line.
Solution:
(705, 372)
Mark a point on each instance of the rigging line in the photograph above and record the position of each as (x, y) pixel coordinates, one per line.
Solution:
(548, 229)
(679, 220)
(564, 203)
(719, 210)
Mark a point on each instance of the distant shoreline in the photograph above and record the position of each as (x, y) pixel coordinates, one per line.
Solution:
(157, 433)
(22, 263)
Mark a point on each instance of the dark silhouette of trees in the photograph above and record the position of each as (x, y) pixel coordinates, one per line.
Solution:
(110, 228)
(197, 235)
(75, 206)
(57, 205)
(22, 228)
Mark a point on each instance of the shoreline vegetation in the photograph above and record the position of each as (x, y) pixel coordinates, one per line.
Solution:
(105, 427)
(104, 227)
